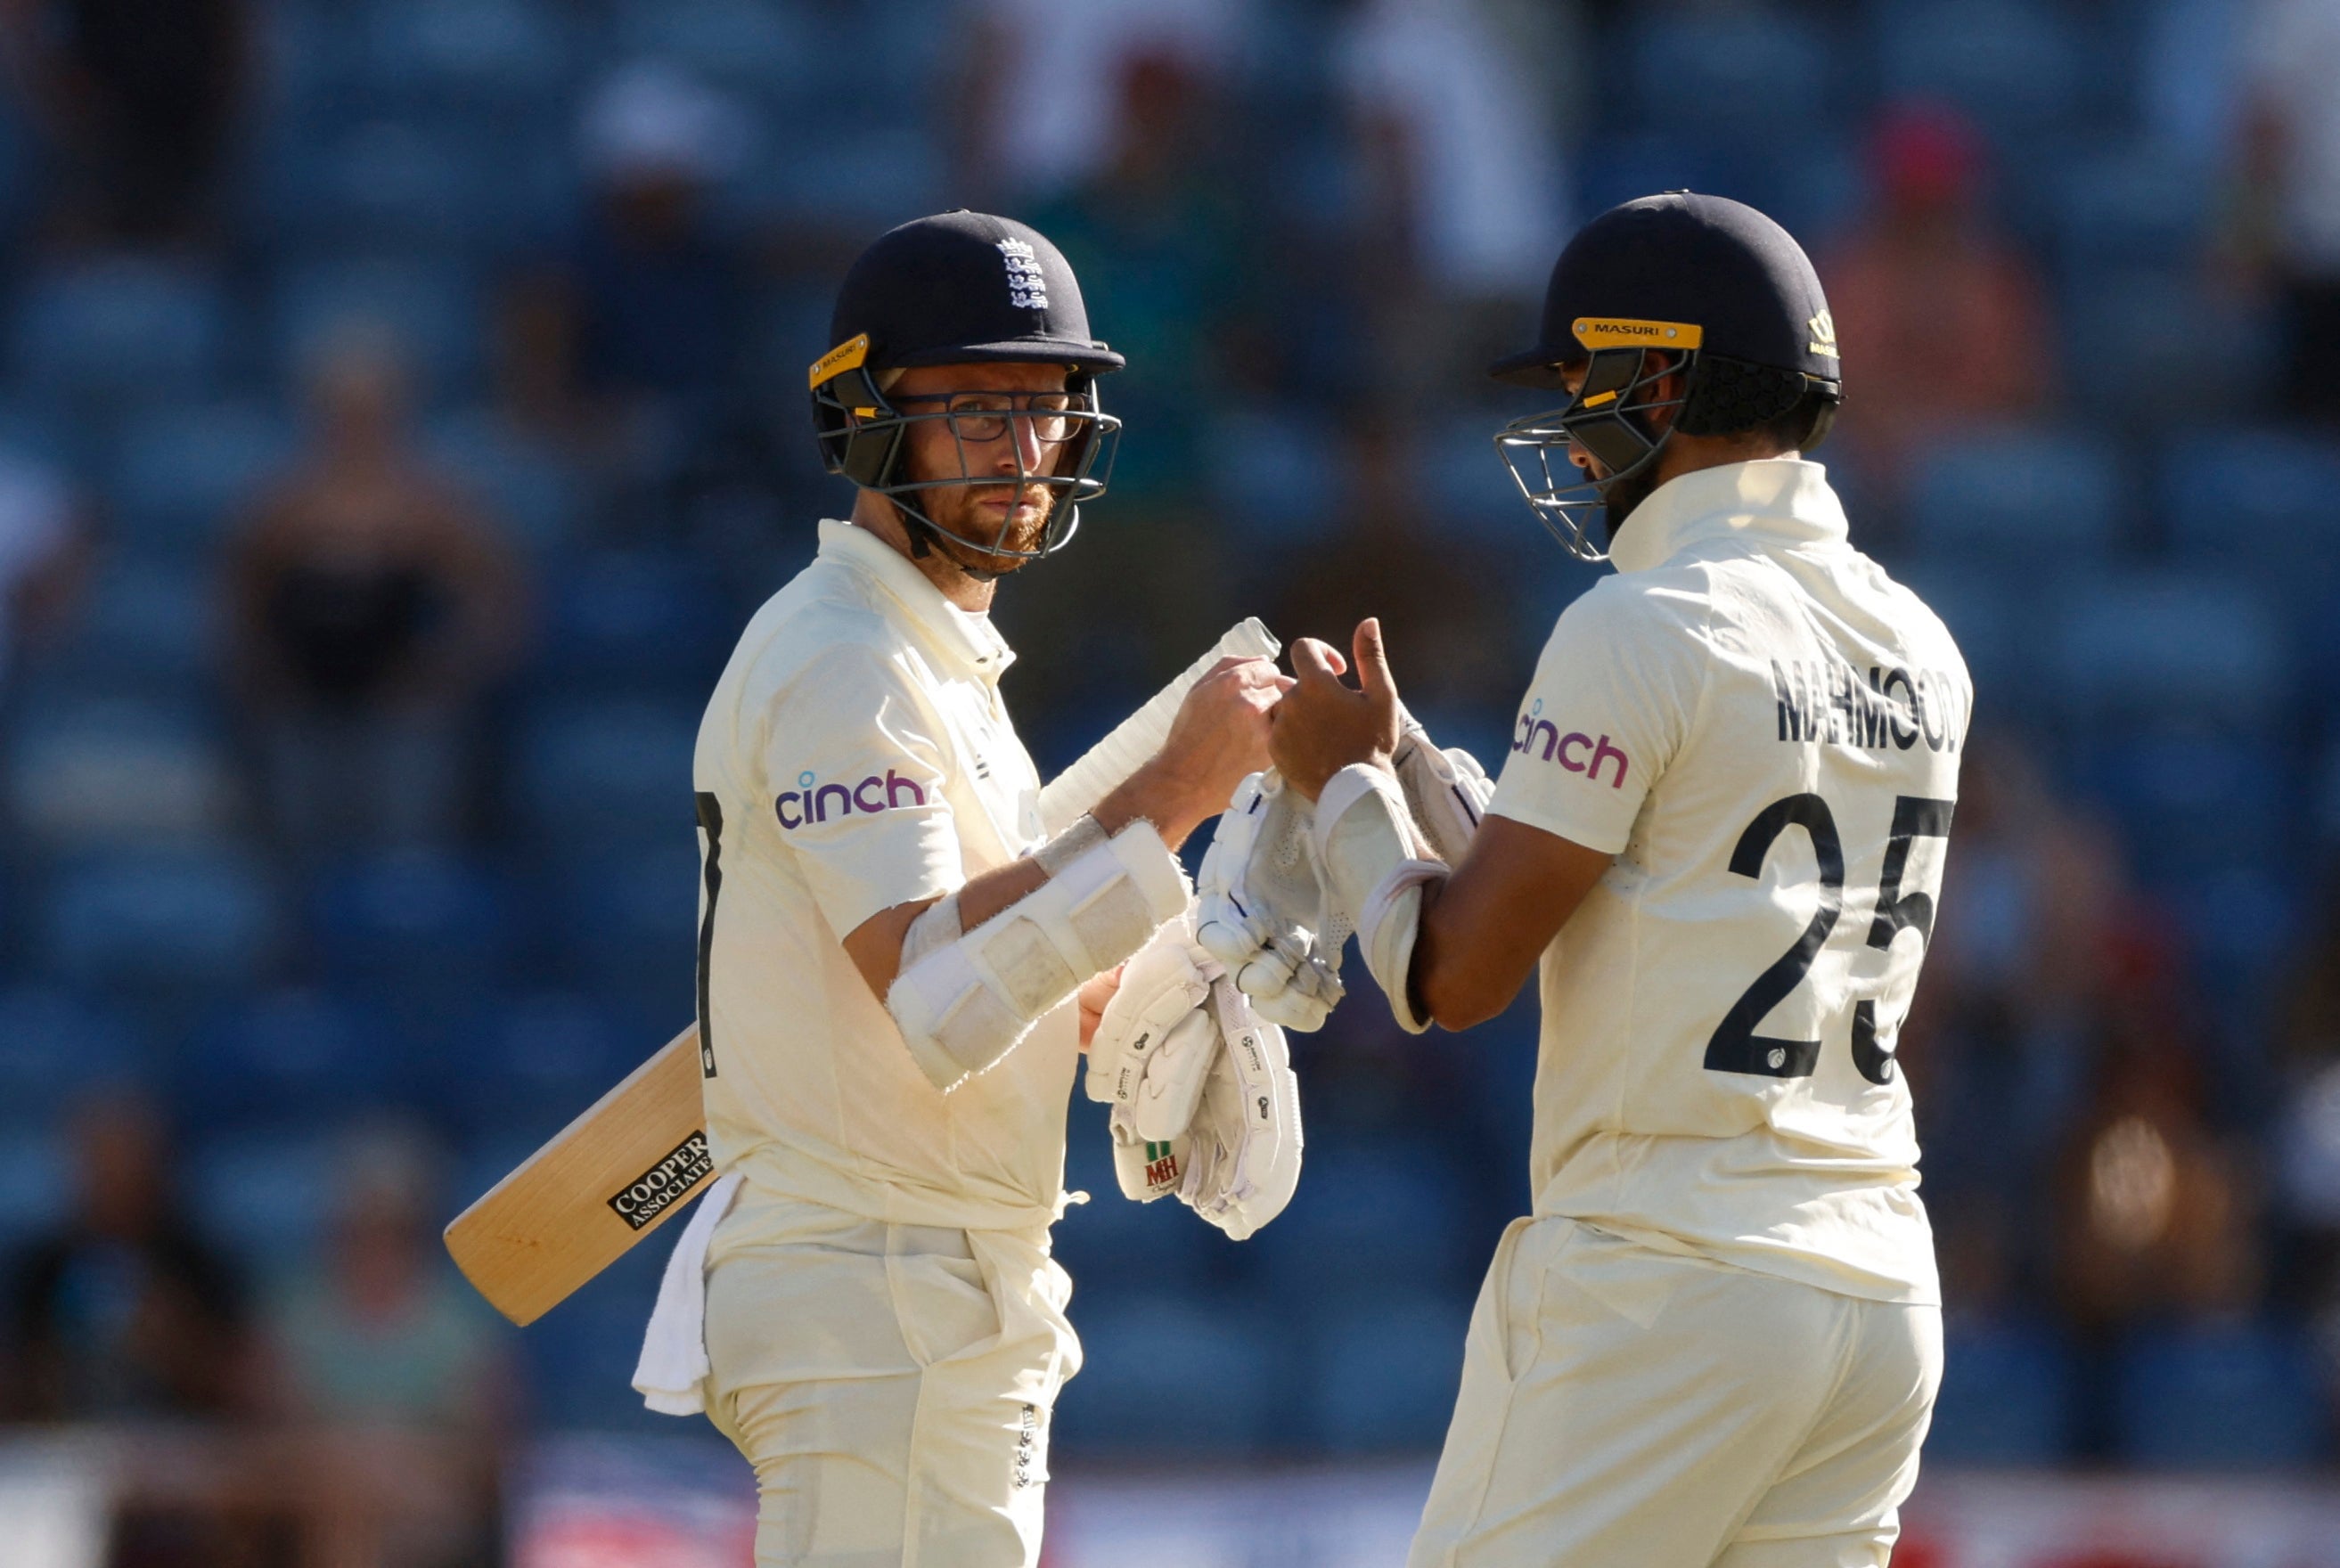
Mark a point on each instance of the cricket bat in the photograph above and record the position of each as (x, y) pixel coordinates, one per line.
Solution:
(638, 1154)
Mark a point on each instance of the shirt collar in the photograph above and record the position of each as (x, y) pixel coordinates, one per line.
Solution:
(1773, 502)
(968, 642)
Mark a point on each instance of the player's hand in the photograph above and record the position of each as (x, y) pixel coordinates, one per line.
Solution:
(1094, 993)
(1324, 724)
(1218, 739)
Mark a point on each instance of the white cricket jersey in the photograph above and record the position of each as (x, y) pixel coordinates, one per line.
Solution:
(856, 756)
(1764, 729)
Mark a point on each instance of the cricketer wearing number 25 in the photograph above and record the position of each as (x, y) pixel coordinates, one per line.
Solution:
(1718, 837)
(897, 944)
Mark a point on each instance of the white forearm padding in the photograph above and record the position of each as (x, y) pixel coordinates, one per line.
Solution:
(1447, 791)
(1375, 864)
(964, 1006)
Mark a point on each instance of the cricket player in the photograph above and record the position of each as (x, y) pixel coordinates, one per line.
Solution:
(891, 948)
(1719, 834)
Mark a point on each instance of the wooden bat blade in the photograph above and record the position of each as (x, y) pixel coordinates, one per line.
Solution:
(636, 1157)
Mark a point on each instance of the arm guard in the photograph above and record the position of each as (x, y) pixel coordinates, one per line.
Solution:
(965, 1003)
(1375, 862)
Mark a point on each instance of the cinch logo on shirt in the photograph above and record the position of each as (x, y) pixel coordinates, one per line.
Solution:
(874, 794)
(1576, 751)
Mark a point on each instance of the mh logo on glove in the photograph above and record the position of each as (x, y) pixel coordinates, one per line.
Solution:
(1569, 751)
(874, 794)
(1161, 1169)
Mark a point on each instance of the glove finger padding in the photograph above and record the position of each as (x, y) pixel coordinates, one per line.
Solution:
(1260, 906)
(1164, 981)
(1174, 1076)
(1244, 1162)
(1447, 791)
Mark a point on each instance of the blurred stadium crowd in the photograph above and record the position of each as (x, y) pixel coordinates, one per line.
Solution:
(399, 413)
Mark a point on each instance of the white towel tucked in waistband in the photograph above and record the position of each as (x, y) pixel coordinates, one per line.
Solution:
(671, 1375)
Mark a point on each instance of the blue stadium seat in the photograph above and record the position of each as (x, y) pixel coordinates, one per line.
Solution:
(1211, 1373)
(1985, 610)
(459, 53)
(283, 1060)
(266, 1196)
(2193, 800)
(36, 1191)
(2241, 1396)
(160, 921)
(1380, 1211)
(52, 1047)
(146, 627)
(1279, 468)
(120, 330)
(2018, 66)
(535, 496)
(413, 921)
(1754, 71)
(867, 176)
(1456, 461)
(109, 771)
(587, 771)
(626, 921)
(2040, 500)
(2158, 345)
(430, 305)
(380, 183)
(634, 620)
(2136, 206)
(579, 1356)
(750, 46)
(533, 1063)
(2171, 643)
(2007, 1397)
(1112, 1243)
(2264, 500)
(1385, 1367)
(184, 474)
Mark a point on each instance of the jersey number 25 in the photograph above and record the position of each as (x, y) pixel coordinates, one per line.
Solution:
(1736, 1048)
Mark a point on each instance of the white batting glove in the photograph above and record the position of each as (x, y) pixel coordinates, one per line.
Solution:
(1447, 791)
(1243, 1162)
(1260, 909)
(1151, 1056)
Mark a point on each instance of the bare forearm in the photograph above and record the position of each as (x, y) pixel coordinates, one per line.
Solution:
(1483, 930)
(1174, 803)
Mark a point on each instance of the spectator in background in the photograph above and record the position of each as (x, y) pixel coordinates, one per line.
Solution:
(123, 1313)
(1158, 229)
(2157, 1216)
(2286, 221)
(1046, 84)
(370, 605)
(396, 1360)
(44, 542)
(1941, 315)
(1452, 614)
(1162, 249)
(141, 101)
(2020, 971)
(621, 340)
(1459, 107)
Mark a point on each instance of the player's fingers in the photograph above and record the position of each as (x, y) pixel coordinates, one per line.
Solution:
(1372, 661)
(1316, 664)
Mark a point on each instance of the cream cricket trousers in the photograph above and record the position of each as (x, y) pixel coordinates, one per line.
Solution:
(891, 1384)
(1625, 1408)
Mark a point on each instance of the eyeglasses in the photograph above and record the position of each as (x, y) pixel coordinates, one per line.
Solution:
(984, 415)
